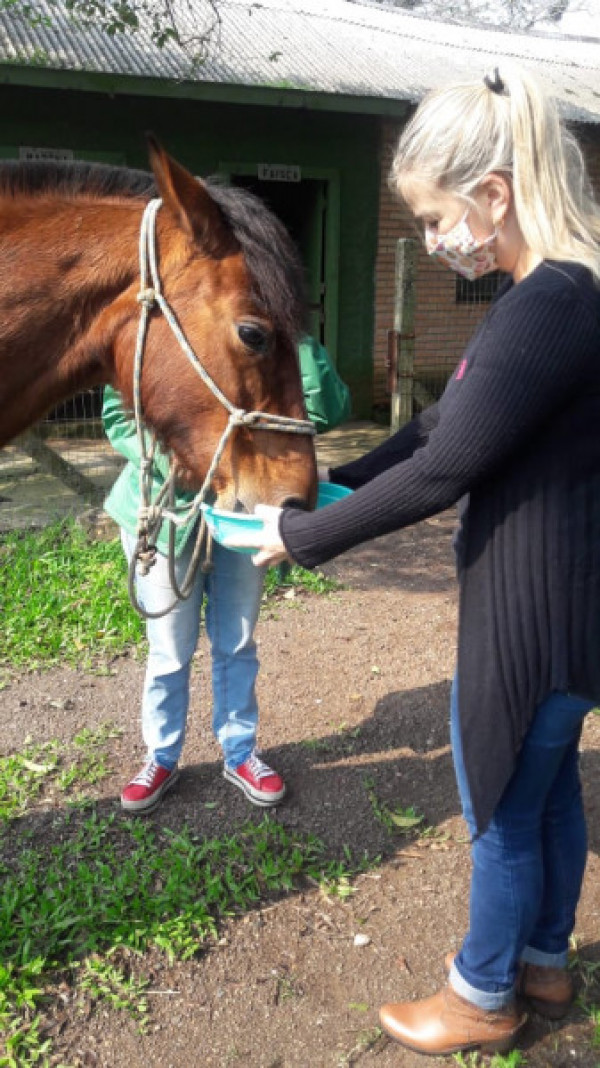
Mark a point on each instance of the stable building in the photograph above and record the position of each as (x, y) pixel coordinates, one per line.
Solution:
(300, 101)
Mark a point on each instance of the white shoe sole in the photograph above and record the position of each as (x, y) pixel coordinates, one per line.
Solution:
(147, 805)
(253, 795)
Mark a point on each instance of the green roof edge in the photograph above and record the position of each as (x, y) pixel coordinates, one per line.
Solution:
(132, 85)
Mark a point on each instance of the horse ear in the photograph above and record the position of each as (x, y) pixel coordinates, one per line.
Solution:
(189, 201)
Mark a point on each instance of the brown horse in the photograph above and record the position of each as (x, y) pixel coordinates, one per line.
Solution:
(69, 312)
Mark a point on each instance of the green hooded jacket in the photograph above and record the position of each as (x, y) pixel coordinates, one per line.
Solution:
(123, 500)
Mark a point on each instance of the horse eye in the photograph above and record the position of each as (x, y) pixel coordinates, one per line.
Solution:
(254, 337)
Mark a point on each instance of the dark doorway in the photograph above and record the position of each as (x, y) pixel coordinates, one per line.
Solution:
(302, 206)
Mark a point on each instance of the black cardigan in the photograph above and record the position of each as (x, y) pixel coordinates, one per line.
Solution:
(518, 430)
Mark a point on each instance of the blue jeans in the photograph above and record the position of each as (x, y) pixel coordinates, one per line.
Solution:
(528, 864)
(233, 591)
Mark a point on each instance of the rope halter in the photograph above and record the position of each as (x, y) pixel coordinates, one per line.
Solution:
(152, 513)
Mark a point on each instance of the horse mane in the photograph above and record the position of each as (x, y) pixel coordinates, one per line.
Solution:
(271, 256)
(35, 178)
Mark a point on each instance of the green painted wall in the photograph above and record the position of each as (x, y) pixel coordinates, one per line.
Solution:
(203, 135)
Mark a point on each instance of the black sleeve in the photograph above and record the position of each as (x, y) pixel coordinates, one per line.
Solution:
(400, 446)
(532, 356)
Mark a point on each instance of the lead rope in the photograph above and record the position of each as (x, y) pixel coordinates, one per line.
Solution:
(152, 514)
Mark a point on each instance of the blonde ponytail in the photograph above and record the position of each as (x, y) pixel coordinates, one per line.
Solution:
(507, 124)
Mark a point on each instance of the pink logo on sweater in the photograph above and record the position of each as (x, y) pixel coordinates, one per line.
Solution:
(461, 369)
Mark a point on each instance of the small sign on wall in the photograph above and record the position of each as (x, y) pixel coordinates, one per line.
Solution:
(28, 152)
(279, 172)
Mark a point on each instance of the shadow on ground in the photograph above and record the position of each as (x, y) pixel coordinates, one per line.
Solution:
(417, 559)
(397, 758)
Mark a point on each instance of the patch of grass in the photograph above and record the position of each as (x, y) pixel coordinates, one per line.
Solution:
(64, 598)
(23, 776)
(122, 887)
(91, 739)
(39, 768)
(281, 580)
(80, 905)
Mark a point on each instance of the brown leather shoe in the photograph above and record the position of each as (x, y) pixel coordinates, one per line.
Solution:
(447, 1023)
(550, 991)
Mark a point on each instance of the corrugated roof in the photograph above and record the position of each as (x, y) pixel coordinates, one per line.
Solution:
(335, 47)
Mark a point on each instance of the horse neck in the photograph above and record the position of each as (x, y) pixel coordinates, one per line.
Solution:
(63, 265)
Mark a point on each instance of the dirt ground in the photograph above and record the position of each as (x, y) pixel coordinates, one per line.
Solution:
(354, 690)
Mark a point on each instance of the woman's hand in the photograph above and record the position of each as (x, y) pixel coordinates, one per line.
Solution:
(271, 549)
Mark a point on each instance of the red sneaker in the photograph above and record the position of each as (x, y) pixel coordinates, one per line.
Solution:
(261, 785)
(145, 792)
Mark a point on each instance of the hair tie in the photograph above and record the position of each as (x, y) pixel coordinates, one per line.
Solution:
(494, 83)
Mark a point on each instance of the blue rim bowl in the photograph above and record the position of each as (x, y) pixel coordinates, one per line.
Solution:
(224, 525)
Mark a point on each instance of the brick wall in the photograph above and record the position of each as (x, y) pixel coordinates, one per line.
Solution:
(442, 326)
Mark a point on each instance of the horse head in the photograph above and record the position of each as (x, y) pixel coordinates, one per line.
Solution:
(231, 276)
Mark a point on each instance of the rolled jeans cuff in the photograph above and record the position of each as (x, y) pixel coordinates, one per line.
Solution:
(531, 955)
(483, 999)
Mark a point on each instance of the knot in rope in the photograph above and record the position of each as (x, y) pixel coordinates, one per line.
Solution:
(241, 417)
(149, 515)
(249, 418)
(147, 297)
(145, 556)
(237, 416)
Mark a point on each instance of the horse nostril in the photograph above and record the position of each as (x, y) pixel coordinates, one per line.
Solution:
(294, 502)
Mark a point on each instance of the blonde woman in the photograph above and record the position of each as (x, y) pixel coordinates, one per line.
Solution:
(496, 181)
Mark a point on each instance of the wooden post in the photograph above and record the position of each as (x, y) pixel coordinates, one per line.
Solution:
(32, 442)
(401, 341)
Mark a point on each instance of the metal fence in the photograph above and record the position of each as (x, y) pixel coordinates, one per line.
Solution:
(61, 467)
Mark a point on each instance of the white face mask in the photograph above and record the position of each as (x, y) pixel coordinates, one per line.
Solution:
(461, 251)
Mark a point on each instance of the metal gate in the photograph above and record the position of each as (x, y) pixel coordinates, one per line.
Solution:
(60, 467)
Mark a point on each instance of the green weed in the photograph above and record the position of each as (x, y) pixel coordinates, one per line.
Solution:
(91, 739)
(110, 983)
(280, 580)
(366, 1040)
(514, 1059)
(594, 1015)
(347, 737)
(403, 820)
